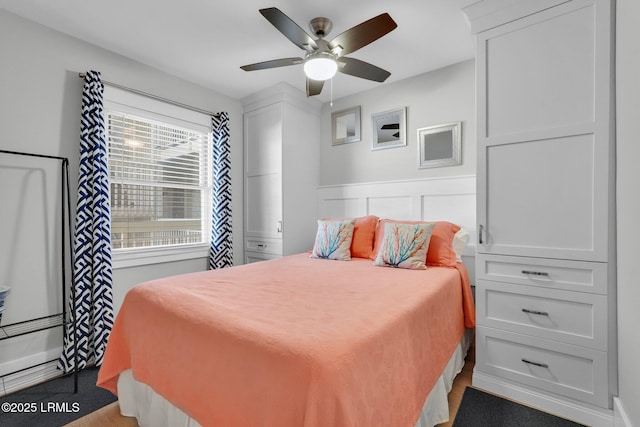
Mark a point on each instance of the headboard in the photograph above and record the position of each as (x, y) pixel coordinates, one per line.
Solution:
(451, 198)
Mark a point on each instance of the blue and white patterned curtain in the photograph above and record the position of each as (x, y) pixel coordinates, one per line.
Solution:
(92, 279)
(221, 249)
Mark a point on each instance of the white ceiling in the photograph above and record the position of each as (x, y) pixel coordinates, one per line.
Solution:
(207, 41)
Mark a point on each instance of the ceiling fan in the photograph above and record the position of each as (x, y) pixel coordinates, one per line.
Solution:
(324, 58)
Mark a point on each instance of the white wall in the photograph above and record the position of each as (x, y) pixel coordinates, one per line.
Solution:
(40, 99)
(628, 204)
(442, 96)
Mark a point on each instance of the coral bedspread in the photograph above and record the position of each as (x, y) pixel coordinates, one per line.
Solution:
(293, 342)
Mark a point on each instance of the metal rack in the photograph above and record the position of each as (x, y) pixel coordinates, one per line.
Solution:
(63, 318)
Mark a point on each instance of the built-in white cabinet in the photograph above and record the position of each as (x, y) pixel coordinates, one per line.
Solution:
(545, 266)
(281, 146)
(544, 197)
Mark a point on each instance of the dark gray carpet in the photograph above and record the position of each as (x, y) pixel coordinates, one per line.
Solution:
(53, 403)
(480, 409)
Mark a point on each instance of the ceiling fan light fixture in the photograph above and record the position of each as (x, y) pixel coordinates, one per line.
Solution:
(320, 66)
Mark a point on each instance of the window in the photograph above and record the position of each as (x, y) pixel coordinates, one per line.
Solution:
(159, 171)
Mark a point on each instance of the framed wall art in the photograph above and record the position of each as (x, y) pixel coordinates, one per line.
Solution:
(389, 129)
(345, 126)
(440, 145)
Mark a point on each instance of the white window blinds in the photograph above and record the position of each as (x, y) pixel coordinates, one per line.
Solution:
(160, 177)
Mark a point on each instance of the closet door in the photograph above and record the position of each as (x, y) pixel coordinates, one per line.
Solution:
(263, 171)
(543, 135)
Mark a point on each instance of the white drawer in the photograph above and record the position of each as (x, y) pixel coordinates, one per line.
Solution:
(571, 371)
(569, 317)
(250, 257)
(569, 275)
(263, 245)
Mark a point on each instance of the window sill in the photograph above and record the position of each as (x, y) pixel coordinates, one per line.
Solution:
(124, 258)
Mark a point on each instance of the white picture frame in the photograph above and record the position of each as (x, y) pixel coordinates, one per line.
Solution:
(389, 129)
(440, 145)
(345, 126)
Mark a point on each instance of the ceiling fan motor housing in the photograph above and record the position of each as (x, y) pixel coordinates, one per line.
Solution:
(321, 26)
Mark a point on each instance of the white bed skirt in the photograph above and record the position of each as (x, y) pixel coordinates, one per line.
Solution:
(138, 400)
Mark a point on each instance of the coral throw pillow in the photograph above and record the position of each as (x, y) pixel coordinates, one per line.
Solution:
(363, 234)
(404, 245)
(333, 239)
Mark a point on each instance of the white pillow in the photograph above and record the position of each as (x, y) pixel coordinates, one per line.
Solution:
(460, 240)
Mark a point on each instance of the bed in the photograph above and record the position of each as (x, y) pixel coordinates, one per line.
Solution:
(296, 341)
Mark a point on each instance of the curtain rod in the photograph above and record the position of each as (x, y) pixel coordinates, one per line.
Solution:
(156, 97)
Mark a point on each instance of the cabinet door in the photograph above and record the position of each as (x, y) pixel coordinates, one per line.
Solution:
(263, 140)
(544, 134)
(263, 129)
(263, 210)
(543, 198)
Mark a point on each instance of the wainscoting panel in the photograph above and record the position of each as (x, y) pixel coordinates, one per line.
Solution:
(390, 207)
(342, 207)
(454, 208)
(432, 199)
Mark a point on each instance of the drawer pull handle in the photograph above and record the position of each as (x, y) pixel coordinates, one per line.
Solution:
(261, 246)
(539, 313)
(529, 362)
(535, 273)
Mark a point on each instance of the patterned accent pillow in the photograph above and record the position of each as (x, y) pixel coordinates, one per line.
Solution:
(440, 252)
(364, 231)
(404, 246)
(333, 239)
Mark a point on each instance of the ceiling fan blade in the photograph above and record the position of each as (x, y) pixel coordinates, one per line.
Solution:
(314, 87)
(362, 34)
(290, 29)
(274, 63)
(391, 126)
(355, 67)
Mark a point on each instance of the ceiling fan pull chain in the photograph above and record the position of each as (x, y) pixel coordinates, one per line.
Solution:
(331, 97)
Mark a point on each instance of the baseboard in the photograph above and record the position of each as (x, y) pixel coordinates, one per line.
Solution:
(582, 413)
(30, 360)
(29, 377)
(29, 371)
(620, 418)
